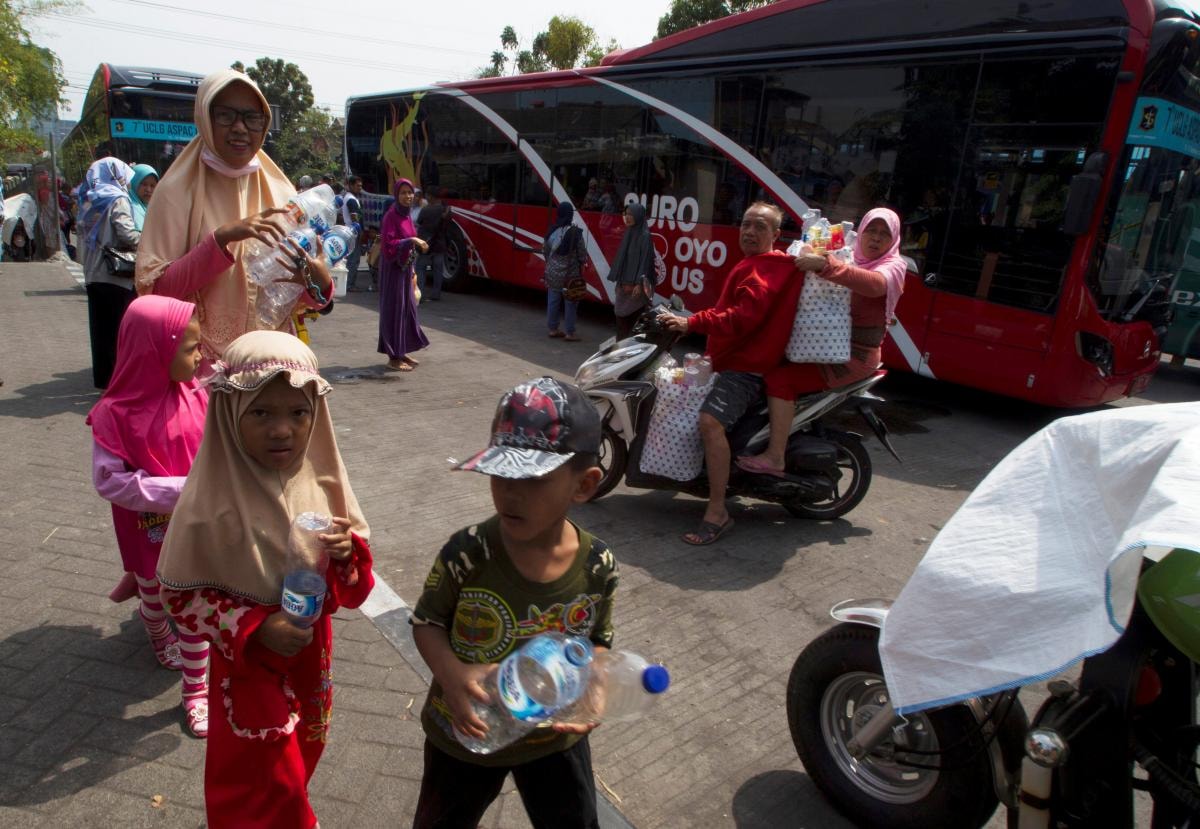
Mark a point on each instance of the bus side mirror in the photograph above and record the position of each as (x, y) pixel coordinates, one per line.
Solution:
(1084, 194)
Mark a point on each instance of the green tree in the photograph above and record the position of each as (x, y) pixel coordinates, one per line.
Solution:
(567, 38)
(284, 84)
(566, 43)
(311, 145)
(684, 14)
(31, 79)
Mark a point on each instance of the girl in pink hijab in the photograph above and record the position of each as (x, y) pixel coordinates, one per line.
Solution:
(146, 430)
(876, 279)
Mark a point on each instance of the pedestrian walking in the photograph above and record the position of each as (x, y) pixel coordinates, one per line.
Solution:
(633, 270)
(353, 219)
(146, 430)
(541, 460)
(110, 241)
(432, 225)
(269, 454)
(400, 331)
(565, 255)
(223, 190)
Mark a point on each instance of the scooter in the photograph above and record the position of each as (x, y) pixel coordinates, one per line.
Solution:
(1131, 703)
(827, 472)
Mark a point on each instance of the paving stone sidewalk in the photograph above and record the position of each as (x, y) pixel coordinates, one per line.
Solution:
(91, 730)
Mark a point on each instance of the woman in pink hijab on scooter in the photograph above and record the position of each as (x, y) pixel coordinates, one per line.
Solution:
(876, 280)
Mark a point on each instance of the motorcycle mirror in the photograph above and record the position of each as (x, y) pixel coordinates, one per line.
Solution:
(676, 303)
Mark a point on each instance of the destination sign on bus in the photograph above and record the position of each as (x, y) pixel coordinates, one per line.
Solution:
(153, 130)
(1161, 123)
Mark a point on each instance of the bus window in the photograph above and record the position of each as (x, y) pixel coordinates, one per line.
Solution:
(1155, 234)
(1027, 139)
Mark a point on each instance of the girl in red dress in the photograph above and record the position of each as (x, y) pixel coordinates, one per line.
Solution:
(268, 455)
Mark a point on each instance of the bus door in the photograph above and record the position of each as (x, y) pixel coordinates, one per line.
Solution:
(996, 289)
(533, 203)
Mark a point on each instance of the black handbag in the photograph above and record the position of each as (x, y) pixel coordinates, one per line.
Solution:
(119, 262)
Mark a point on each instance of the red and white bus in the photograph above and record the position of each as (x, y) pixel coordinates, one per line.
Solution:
(1043, 157)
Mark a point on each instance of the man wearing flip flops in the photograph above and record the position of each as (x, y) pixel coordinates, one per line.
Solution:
(747, 330)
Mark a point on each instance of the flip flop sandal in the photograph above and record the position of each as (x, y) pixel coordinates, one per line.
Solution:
(758, 467)
(556, 334)
(708, 533)
(401, 367)
(412, 361)
(570, 338)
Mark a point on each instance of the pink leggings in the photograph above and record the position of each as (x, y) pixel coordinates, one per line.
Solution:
(193, 649)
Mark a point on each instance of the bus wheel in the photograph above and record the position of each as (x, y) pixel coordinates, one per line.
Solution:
(457, 276)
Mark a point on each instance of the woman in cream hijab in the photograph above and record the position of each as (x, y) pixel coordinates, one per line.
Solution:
(221, 191)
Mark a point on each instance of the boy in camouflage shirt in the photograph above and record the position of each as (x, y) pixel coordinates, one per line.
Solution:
(525, 571)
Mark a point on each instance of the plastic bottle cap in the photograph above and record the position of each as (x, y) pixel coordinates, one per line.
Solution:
(656, 679)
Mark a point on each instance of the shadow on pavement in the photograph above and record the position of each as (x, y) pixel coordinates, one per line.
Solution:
(68, 392)
(749, 555)
(784, 799)
(75, 733)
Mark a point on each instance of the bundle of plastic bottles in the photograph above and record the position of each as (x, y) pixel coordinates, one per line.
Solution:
(825, 237)
(309, 224)
(557, 678)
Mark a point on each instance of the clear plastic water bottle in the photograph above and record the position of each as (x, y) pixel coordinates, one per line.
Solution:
(265, 268)
(313, 209)
(304, 585)
(623, 687)
(549, 672)
(337, 243)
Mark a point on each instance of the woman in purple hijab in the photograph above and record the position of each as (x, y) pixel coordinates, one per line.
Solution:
(399, 332)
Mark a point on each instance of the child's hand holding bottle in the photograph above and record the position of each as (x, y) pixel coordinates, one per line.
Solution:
(280, 634)
(338, 543)
(462, 683)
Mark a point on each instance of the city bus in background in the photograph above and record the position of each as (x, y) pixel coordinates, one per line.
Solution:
(139, 115)
(1044, 158)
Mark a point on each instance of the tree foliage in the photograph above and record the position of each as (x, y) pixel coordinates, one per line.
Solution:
(311, 145)
(684, 14)
(284, 84)
(566, 43)
(31, 79)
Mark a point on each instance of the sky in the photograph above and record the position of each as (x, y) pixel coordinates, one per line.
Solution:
(345, 48)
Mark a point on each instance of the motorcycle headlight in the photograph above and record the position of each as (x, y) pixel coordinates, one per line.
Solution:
(588, 371)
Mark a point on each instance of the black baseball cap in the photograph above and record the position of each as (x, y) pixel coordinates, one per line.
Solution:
(539, 426)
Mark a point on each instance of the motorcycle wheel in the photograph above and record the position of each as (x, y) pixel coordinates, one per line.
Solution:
(835, 686)
(854, 463)
(612, 459)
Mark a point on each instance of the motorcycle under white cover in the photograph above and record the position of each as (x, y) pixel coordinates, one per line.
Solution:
(1038, 569)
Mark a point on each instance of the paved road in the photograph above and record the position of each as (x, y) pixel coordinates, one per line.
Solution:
(89, 726)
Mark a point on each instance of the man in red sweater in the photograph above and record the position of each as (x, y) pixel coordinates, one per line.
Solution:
(748, 330)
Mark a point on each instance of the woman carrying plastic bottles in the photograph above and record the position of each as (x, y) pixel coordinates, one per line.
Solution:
(221, 191)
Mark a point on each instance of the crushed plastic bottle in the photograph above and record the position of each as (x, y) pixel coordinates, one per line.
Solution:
(549, 672)
(623, 687)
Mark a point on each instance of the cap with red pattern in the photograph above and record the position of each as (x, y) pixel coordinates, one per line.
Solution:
(539, 426)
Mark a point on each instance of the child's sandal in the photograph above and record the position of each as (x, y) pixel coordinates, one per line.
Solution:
(197, 718)
(167, 651)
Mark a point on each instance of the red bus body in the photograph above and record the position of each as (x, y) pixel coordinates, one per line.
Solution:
(977, 123)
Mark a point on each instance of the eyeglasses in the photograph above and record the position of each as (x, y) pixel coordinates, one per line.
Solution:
(254, 119)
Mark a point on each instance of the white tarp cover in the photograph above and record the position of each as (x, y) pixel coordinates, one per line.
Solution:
(1038, 568)
(21, 206)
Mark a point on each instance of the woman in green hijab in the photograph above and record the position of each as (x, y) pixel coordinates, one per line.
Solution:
(145, 179)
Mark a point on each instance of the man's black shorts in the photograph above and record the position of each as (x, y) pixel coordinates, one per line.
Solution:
(733, 393)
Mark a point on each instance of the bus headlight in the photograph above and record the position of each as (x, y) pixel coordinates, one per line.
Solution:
(1096, 350)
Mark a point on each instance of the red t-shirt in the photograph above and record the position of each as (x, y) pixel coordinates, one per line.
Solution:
(749, 327)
